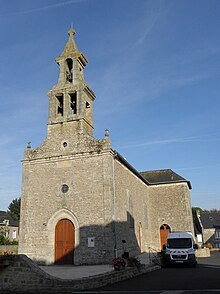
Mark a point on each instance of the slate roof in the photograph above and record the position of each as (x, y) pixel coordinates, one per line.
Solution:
(5, 216)
(163, 176)
(154, 177)
(210, 220)
(119, 157)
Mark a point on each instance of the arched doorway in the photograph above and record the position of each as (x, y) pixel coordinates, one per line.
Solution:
(64, 242)
(164, 231)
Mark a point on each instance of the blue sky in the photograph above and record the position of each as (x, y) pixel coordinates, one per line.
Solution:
(154, 66)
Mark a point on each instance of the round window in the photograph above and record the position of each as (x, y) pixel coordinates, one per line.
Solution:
(64, 188)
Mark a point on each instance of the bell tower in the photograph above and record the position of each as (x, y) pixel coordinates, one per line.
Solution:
(70, 119)
(71, 99)
(67, 190)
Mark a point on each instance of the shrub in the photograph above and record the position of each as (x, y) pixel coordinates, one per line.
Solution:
(133, 261)
(118, 261)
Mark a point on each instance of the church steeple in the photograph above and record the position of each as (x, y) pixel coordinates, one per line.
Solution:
(71, 46)
(71, 99)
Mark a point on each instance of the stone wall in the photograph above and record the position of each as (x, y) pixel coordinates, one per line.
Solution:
(20, 274)
(87, 203)
(8, 249)
(169, 204)
(131, 204)
(203, 252)
(208, 235)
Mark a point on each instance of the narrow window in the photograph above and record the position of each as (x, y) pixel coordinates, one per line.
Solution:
(69, 70)
(88, 111)
(130, 213)
(73, 103)
(80, 72)
(60, 105)
(14, 235)
(145, 215)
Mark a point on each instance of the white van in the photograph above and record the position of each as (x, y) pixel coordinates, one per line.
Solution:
(180, 248)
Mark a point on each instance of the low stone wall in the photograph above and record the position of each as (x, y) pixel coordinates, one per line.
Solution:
(203, 252)
(215, 249)
(8, 249)
(18, 273)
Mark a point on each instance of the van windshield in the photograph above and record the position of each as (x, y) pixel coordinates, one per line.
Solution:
(179, 243)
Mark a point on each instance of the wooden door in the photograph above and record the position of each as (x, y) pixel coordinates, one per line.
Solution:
(64, 242)
(164, 231)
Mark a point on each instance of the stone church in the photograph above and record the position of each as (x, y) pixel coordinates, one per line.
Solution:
(81, 198)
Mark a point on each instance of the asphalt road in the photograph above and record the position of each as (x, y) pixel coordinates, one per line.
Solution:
(205, 278)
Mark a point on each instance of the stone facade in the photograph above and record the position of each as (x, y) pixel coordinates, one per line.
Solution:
(72, 176)
(169, 204)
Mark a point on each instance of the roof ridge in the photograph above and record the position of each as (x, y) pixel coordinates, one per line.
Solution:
(164, 169)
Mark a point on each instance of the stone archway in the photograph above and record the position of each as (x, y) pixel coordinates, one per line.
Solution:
(164, 231)
(64, 242)
(51, 230)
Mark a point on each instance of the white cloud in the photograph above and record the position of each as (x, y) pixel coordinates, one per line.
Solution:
(147, 27)
(204, 167)
(46, 7)
(201, 138)
(161, 84)
(153, 13)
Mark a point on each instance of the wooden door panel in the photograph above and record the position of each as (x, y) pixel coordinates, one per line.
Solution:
(164, 231)
(64, 242)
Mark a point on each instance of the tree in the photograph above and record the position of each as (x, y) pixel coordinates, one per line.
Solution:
(213, 210)
(14, 209)
(195, 209)
(4, 236)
